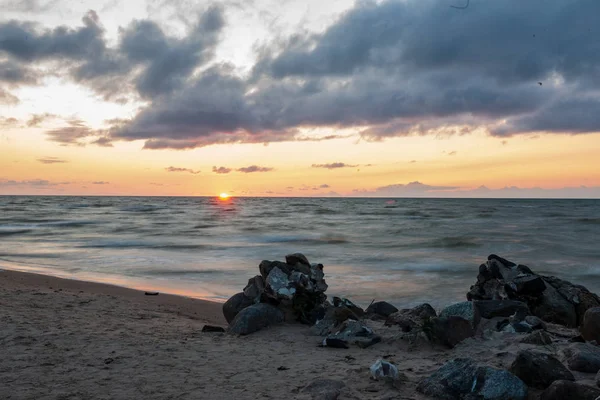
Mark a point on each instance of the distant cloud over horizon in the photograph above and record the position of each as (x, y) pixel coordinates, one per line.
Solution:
(51, 160)
(254, 168)
(177, 169)
(221, 170)
(100, 183)
(334, 165)
(352, 73)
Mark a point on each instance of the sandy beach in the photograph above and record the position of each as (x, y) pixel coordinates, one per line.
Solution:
(68, 339)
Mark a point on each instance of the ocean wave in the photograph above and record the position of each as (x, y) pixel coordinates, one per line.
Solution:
(122, 244)
(141, 209)
(325, 239)
(14, 231)
(588, 220)
(179, 272)
(455, 242)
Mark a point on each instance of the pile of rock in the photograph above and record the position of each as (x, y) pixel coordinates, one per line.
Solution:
(547, 297)
(293, 290)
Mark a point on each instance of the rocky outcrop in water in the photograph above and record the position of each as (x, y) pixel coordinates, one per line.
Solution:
(550, 298)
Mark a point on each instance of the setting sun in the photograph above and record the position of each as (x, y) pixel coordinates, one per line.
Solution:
(223, 196)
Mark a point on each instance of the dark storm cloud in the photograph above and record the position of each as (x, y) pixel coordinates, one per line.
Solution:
(334, 165)
(13, 73)
(177, 169)
(221, 170)
(254, 168)
(391, 68)
(51, 160)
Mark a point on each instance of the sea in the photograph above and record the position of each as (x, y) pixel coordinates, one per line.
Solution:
(403, 250)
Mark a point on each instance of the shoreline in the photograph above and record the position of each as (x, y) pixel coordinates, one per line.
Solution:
(209, 311)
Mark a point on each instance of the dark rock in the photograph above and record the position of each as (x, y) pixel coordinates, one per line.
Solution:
(255, 288)
(296, 258)
(333, 318)
(539, 338)
(343, 302)
(211, 328)
(495, 324)
(577, 339)
(502, 260)
(234, 305)
(448, 331)
(464, 310)
(461, 379)
(528, 285)
(583, 357)
(335, 343)
(498, 308)
(567, 390)
(577, 295)
(324, 389)
(355, 332)
(524, 269)
(151, 293)
(266, 266)
(590, 328)
(382, 308)
(410, 318)
(539, 369)
(254, 318)
(535, 322)
(551, 306)
(278, 285)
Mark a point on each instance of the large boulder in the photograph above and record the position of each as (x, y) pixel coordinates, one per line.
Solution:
(409, 318)
(552, 299)
(568, 390)
(463, 309)
(254, 318)
(583, 357)
(381, 308)
(234, 305)
(355, 332)
(461, 378)
(590, 328)
(539, 369)
(448, 331)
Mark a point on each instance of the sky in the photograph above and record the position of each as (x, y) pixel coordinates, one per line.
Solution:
(396, 98)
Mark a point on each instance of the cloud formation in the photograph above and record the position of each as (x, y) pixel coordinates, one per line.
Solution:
(374, 68)
(32, 183)
(254, 168)
(176, 169)
(221, 170)
(100, 183)
(334, 165)
(51, 160)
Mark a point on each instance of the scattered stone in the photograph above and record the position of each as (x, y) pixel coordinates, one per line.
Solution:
(255, 288)
(234, 305)
(539, 369)
(333, 318)
(357, 333)
(448, 331)
(590, 329)
(151, 293)
(335, 343)
(382, 308)
(324, 389)
(410, 318)
(583, 357)
(282, 368)
(384, 370)
(254, 318)
(296, 258)
(464, 310)
(212, 328)
(461, 378)
(568, 390)
(539, 338)
(342, 302)
(502, 260)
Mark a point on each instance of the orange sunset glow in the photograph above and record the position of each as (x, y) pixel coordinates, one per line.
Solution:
(123, 131)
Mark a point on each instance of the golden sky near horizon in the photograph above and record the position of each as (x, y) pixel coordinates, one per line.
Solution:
(351, 164)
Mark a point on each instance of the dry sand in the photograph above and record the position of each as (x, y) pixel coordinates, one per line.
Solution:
(67, 339)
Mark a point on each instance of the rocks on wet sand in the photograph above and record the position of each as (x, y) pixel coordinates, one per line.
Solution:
(583, 357)
(462, 378)
(568, 390)
(254, 318)
(549, 298)
(381, 309)
(539, 369)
